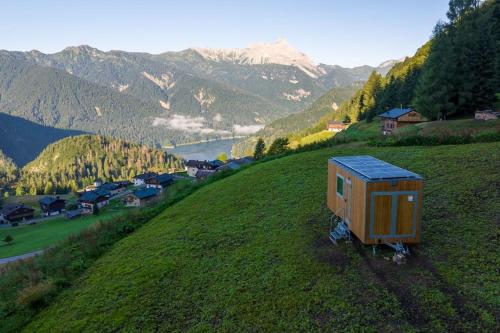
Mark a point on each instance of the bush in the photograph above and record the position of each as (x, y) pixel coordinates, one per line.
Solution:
(435, 140)
(35, 295)
(8, 239)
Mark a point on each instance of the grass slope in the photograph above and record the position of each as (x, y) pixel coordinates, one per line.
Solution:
(251, 253)
(29, 238)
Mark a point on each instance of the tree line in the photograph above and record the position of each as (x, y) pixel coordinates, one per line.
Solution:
(456, 73)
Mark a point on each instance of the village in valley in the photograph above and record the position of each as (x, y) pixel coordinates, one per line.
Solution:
(101, 200)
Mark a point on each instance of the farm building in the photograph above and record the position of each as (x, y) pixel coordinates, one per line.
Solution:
(52, 205)
(141, 179)
(115, 188)
(160, 182)
(139, 197)
(335, 126)
(487, 115)
(379, 202)
(397, 118)
(15, 212)
(192, 166)
(97, 198)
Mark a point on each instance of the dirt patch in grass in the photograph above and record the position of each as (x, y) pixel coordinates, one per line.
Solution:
(326, 252)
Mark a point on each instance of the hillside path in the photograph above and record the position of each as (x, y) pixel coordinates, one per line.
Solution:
(20, 257)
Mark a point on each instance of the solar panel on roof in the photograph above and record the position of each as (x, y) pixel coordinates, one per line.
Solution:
(373, 168)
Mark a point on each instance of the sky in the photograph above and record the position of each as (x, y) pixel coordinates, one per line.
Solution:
(347, 33)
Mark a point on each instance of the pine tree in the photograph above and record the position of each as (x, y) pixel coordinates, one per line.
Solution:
(260, 148)
(279, 146)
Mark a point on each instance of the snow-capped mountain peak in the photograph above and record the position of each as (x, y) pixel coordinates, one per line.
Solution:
(279, 52)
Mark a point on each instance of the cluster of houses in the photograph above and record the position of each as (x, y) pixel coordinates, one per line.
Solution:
(204, 169)
(95, 196)
(16, 212)
(147, 187)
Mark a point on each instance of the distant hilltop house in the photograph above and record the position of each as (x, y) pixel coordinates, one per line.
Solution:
(194, 166)
(204, 169)
(160, 182)
(52, 205)
(15, 212)
(232, 165)
(397, 118)
(487, 115)
(89, 200)
(141, 179)
(244, 160)
(335, 126)
(139, 197)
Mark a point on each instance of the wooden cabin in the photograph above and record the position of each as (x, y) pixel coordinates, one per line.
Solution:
(52, 205)
(380, 202)
(397, 118)
(16, 212)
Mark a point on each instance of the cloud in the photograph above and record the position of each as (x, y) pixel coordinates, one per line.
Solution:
(246, 130)
(187, 124)
(218, 117)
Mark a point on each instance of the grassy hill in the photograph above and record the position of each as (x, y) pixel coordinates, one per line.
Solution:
(251, 253)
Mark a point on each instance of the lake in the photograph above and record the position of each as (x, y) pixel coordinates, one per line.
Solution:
(204, 150)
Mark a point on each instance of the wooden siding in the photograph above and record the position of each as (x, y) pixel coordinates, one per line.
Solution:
(383, 211)
(338, 204)
(412, 117)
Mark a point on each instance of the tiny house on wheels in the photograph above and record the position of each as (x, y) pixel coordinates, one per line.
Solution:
(378, 202)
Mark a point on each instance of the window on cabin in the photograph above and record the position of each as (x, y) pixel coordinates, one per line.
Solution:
(340, 185)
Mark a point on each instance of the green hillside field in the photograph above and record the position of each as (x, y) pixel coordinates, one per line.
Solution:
(251, 253)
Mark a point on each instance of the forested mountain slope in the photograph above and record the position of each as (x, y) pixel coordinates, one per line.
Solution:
(297, 122)
(171, 97)
(454, 74)
(8, 170)
(54, 98)
(224, 259)
(76, 161)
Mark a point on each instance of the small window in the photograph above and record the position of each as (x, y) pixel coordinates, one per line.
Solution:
(340, 185)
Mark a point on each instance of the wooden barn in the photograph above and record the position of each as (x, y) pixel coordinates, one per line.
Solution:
(380, 203)
(397, 118)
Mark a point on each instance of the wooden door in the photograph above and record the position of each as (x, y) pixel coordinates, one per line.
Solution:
(382, 215)
(393, 214)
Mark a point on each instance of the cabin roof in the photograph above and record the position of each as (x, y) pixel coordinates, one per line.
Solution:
(48, 200)
(372, 168)
(146, 176)
(92, 196)
(395, 113)
(164, 178)
(9, 209)
(145, 193)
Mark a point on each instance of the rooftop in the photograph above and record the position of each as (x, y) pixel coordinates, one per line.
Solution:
(146, 176)
(49, 200)
(145, 193)
(12, 207)
(395, 113)
(372, 168)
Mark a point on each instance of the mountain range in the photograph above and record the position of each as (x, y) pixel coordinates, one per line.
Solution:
(167, 98)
